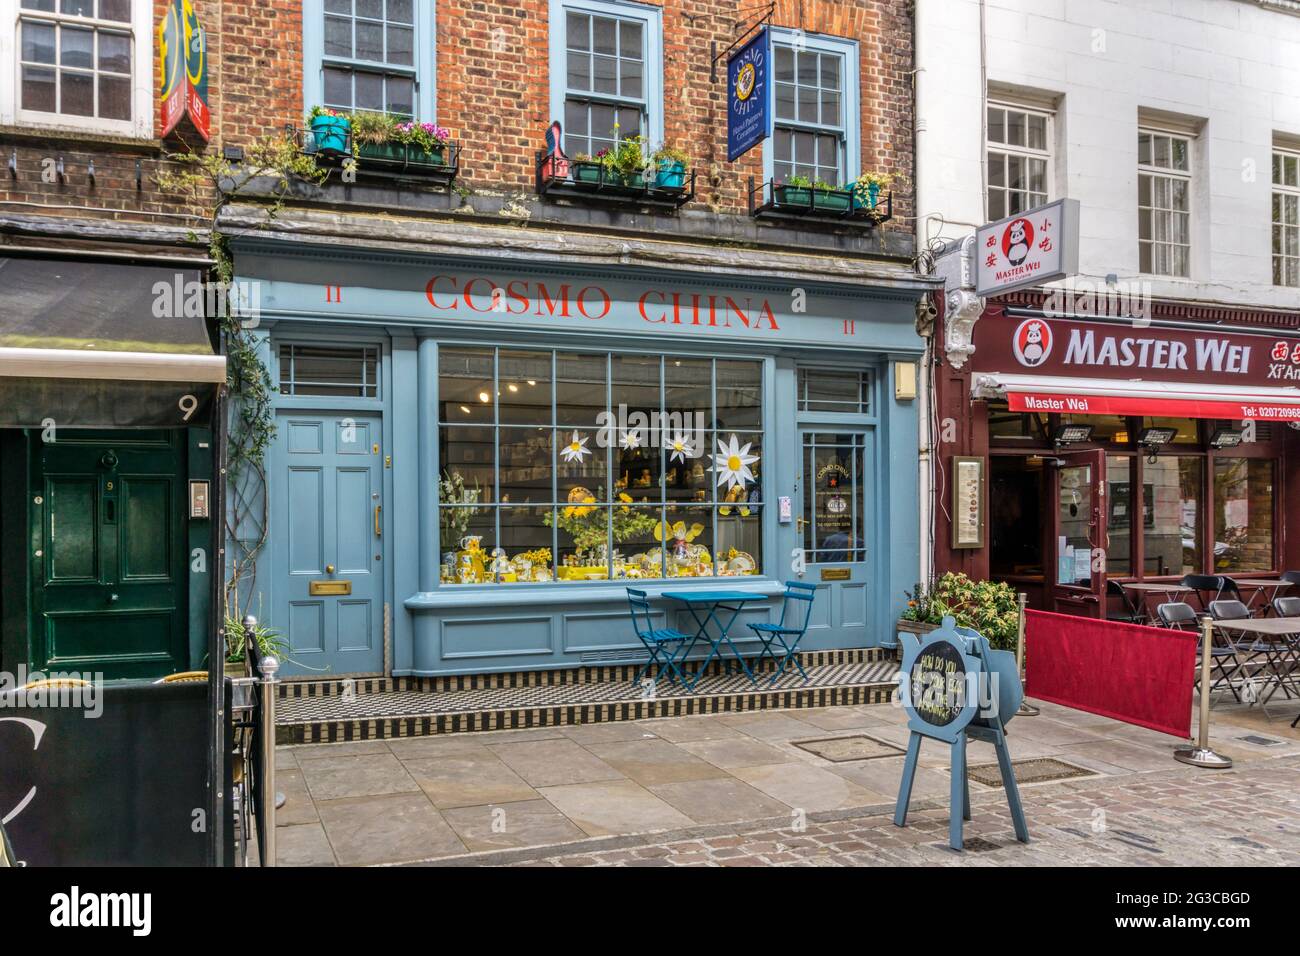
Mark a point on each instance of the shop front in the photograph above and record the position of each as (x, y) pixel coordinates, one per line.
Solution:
(1100, 452)
(475, 458)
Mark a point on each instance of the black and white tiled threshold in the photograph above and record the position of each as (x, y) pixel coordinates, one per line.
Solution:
(525, 699)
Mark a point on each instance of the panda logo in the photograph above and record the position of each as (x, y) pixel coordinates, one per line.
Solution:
(1017, 240)
(1032, 343)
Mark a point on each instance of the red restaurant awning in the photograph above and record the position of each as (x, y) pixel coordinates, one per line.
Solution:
(1086, 396)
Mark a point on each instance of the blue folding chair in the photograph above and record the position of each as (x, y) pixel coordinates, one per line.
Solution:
(783, 633)
(662, 643)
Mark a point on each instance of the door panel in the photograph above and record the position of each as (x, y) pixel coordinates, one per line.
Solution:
(109, 585)
(836, 469)
(326, 477)
(1079, 498)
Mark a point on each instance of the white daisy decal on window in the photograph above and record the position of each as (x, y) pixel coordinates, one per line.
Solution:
(732, 461)
(576, 449)
(680, 448)
(630, 440)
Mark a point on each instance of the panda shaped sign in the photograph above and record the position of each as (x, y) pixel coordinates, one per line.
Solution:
(1028, 249)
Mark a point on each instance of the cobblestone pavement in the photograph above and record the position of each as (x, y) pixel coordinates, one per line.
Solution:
(1241, 817)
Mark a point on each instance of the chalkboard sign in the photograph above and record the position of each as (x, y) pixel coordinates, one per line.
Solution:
(938, 683)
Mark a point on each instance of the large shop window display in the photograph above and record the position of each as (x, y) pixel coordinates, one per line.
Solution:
(565, 467)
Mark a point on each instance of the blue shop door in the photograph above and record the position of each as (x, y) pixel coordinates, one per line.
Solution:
(327, 543)
(835, 526)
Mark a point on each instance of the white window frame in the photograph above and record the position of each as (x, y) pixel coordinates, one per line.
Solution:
(1187, 176)
(652, 29)
(143, 77)
(423, 70)
(1286, 191)
(850, 108)
(1026, 152)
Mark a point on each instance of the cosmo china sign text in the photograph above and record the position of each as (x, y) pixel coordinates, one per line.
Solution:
(1028, 249)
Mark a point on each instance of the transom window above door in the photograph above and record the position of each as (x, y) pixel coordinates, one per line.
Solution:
(607, 79)
(339, 372)
(370, 55)
(1019, 158)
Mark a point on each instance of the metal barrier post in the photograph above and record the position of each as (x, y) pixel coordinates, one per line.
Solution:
(268, 666)
(1026, 708)
(1201, 755)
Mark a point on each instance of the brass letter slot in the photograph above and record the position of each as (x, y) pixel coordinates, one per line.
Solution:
(329, 587)
(836, 574)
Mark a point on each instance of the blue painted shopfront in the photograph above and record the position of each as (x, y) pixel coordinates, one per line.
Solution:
(397, 374)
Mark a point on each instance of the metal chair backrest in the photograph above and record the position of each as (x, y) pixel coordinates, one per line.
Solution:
(1177, 614)
(1229, 610)
(1115, 589)
(639, 602)
(1287, 606)
(1200, 584)
(1290, 577)
(798, 591)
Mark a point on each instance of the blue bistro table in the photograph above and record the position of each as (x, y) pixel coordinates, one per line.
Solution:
(698, 602)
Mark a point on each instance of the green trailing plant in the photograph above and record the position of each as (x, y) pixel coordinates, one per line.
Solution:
(373, 129)
(211, 182)
(986, 606)
(670, 154)
(626, 159)
(266, 640)
(797, 182)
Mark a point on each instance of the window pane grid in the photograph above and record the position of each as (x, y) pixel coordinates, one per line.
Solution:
(1017, 160)
(312, 370)
(379, 33)
(76, 65)
(1286, 218)
(605, 82)
(829, 390)
(1164, 204)
(809, 123)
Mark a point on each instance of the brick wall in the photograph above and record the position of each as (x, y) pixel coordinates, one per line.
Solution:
(493, 63)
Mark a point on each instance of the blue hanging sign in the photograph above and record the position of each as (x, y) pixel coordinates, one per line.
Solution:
(749, 110)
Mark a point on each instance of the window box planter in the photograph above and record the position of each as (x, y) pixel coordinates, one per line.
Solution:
(670, 175)
(332, 134)
(593, 182)
(774, 200)
(401, 154)
(587, 172)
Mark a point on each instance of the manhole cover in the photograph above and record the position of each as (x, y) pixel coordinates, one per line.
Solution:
(1259, 741)
(1040, 770)
(841, 749)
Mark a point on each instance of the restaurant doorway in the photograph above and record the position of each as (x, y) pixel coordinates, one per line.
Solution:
(1079, 533)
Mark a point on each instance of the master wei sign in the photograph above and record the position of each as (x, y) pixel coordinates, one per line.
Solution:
(1028, 249)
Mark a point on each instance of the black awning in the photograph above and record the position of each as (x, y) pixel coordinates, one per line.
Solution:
(90, 344)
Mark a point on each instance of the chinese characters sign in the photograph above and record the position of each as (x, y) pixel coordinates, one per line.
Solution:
(183, 54)
(1028, 249)
(749, 115)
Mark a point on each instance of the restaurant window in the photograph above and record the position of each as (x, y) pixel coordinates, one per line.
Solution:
(1105, 428)
(322, 371)
(1015, 426)
(1015, 516)
(1172, 531)
(586, 466)
(1187, 431)
(1243, 514)
(1119, 520)
(370, 55)
(815, 109)
(1286, 217)
(78, 63)
(608, 85)
(1164, 203)
(828, 390)
(1019, 159)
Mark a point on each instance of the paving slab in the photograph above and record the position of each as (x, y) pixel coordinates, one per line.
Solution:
(468, 780)
(723, 800)
(362, 775)
(614, 806)
(655, 761)
(552, 763)
(730, 753)
(808, 788)
(385, 829)
(508, 825)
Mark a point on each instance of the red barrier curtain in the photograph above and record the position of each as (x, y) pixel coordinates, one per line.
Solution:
(1140, 675)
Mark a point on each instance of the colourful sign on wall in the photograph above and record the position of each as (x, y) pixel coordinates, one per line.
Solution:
(749, 112)
(183, 54)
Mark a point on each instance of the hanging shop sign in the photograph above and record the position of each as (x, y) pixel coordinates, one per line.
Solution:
(183, 55)
(1119, 350)
(1028, 249)
(749, 108)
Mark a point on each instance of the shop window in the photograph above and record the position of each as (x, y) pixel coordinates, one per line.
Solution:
(1164, 203)
(584, 466)
(1172, 531)
(833, 468)
(1019, 159)
(1286, 217)
(829, 390)
(1119, 525)
(1015, 426)
(815, 109)
(1105, 428)
(339, 372)
(1243, 514)
(607, 84)
(370, 55)
(78, 64)
(1188, 429)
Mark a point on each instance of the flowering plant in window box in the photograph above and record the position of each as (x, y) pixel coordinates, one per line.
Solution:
(625, 164)
(801, 191)
(868, 187)
(383, 138)
(670, 167)
(330, 129)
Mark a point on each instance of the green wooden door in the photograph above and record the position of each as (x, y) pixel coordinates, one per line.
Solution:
(108, 562)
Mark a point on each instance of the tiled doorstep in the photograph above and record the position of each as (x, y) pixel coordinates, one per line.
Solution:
(407, 800)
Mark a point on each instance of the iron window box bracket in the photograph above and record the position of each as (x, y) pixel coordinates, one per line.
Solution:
(775, 200)
(560, 178)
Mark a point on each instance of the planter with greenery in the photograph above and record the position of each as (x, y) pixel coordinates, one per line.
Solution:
(330, 129)
(868, 188)
(670, 167)
(988, 607)
(625, 163)
(801, 191)
(586, 169)
(385, 140)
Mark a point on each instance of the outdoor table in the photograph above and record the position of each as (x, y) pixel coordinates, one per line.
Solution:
(1280, 629)
(1259, 584)
(1172, 591)
(713, 601)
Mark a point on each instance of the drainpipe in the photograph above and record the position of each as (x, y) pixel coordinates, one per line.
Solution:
(924, 463)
